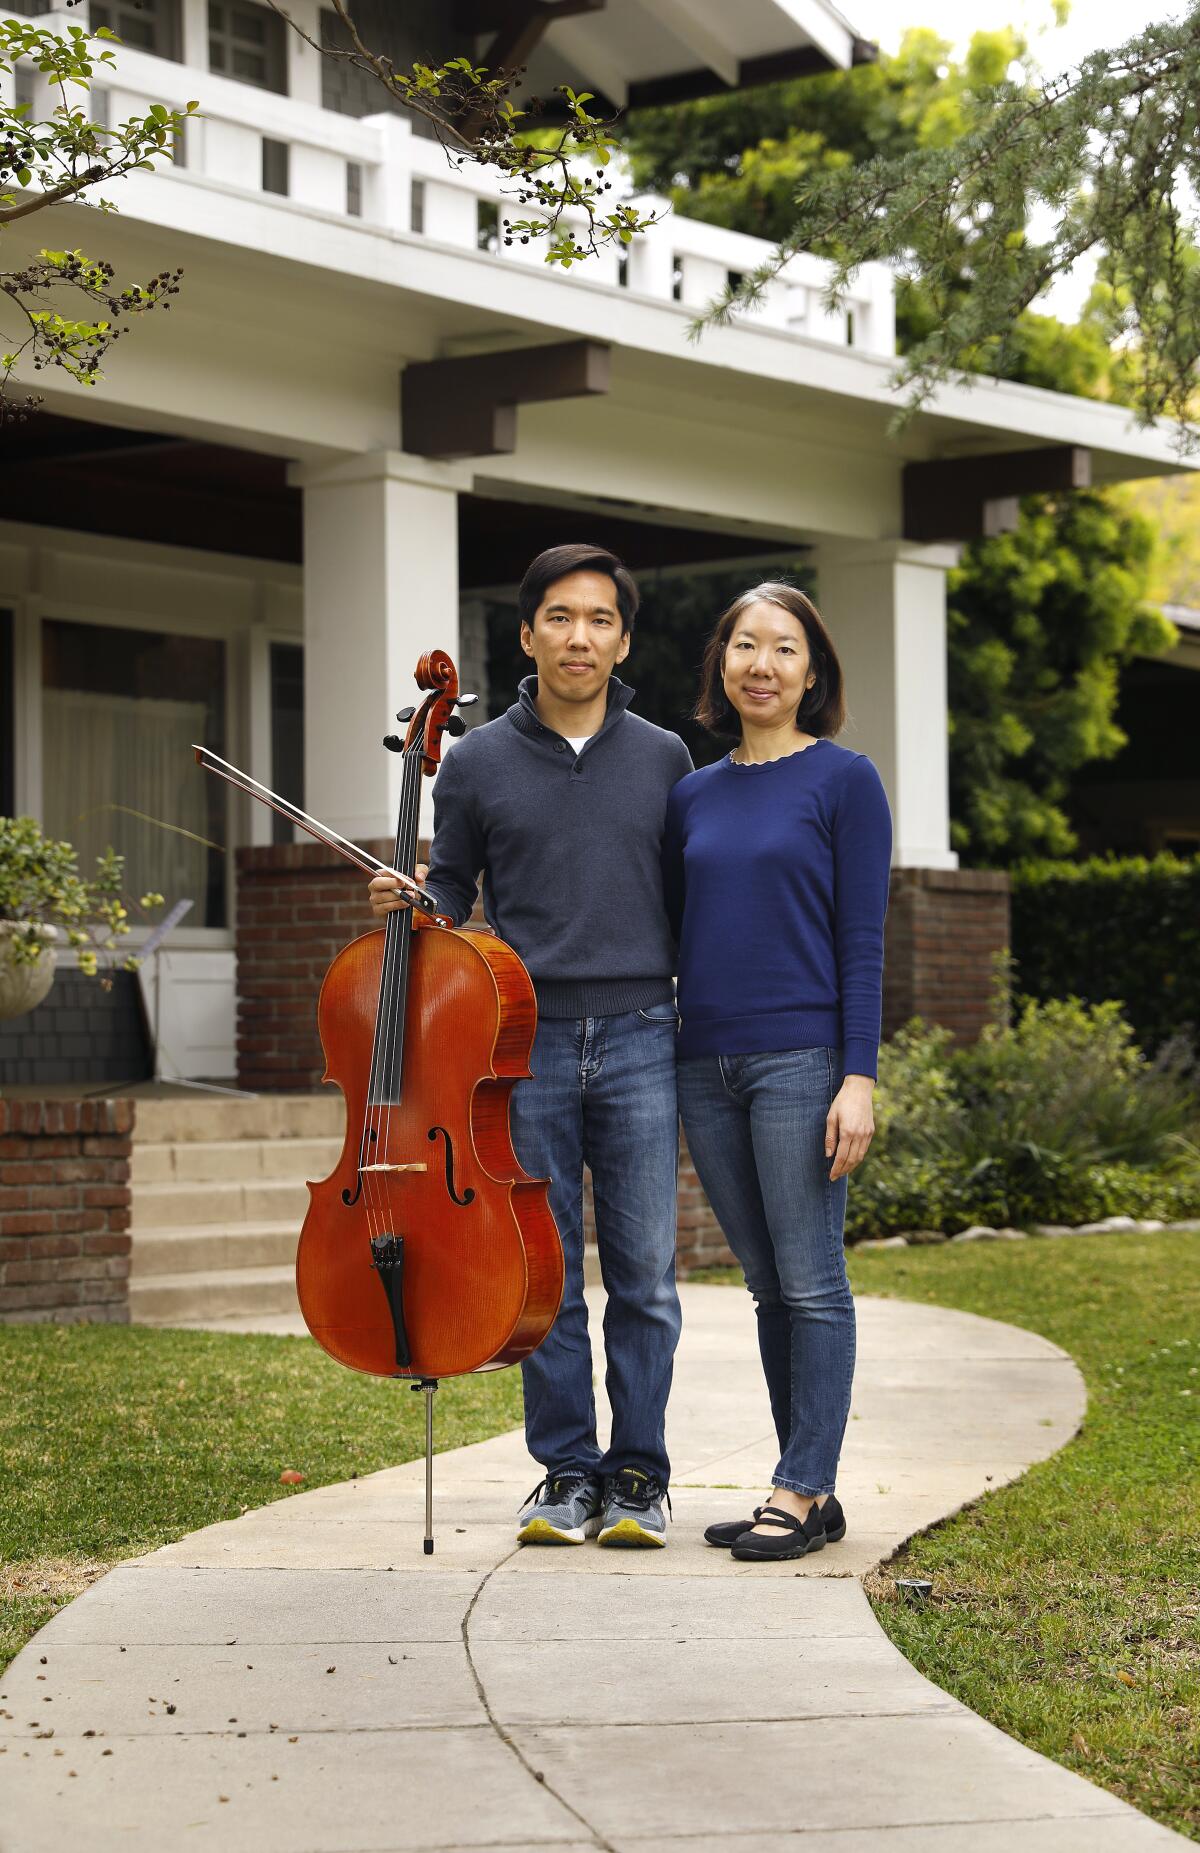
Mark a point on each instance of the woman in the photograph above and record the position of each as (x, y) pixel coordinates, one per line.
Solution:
(776, 865)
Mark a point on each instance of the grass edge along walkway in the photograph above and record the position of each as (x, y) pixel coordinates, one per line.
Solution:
(115, 1439)
(1066, 1606)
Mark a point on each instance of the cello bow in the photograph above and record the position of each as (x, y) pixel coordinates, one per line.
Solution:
(351, 852)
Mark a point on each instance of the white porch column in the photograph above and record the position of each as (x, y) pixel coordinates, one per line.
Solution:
(380, 588)
(885, 604)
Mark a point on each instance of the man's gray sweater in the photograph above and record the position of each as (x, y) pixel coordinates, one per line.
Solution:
(570, 849)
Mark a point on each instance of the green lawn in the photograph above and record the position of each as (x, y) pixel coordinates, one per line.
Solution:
(115, 1439)
(1066, 1607)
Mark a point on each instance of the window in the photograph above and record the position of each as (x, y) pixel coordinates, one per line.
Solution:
(287, 733)
(247, 42)
(354, 189)
(387, 27)
(274, 166)
(143, 25)
(120, 712)
(416, 210)
(487, 225)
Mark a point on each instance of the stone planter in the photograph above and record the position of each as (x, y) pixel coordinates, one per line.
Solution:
(22, 987)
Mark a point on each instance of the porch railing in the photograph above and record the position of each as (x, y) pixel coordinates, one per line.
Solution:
(375, 171)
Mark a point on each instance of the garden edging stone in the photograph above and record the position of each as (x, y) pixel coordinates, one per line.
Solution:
(979, 1232)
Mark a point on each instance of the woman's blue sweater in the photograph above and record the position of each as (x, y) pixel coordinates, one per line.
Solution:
(776, 880)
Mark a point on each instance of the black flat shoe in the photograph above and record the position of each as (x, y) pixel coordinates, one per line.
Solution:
(727, 1534)
(834, 1519)
(730, 1530)
(791, 1537)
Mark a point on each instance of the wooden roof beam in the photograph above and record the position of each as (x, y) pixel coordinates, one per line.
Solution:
(772, 68)
(468, 407)
(969, 498)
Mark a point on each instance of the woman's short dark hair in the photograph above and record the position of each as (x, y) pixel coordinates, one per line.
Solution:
(823, 709)
(577, 557)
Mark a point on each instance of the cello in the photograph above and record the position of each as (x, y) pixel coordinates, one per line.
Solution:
(428, 1252)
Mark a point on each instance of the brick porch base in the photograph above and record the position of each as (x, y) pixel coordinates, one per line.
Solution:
(64, 1210)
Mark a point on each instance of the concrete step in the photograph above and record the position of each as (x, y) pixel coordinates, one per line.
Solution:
(199, 1119)
(181, 1206)
(207, 1247)
(243, 1280)
(230, 1160)
(172, 1299)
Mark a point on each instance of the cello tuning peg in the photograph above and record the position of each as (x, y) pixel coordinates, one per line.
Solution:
(406, 714)
(393, 742)
(456, 725)
(465, 701)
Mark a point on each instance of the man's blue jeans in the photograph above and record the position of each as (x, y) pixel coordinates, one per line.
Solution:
(603, 1094)
(755, 1128)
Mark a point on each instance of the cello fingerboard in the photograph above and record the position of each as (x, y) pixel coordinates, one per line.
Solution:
(387, 1052)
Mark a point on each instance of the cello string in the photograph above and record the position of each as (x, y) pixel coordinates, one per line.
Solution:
(374, 1191)
(385, 1027)
(405, 854)
(393, 989)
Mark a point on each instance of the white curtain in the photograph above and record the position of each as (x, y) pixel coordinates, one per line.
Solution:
(100, 751)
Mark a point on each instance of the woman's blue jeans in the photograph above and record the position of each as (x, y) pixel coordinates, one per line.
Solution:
(603, 1094)
(755, 1127)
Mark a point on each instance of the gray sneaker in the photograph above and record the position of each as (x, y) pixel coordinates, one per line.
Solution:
(564, 1509)
(633, 1514)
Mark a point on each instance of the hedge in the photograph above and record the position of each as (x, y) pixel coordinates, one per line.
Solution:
(1126, 928)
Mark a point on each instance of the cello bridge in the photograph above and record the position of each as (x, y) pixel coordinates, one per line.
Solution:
(415, 1167)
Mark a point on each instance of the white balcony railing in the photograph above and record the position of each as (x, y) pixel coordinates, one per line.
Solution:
(375, 171)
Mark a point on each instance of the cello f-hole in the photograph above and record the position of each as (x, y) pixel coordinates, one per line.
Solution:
(468, 1195)
(368, 1139)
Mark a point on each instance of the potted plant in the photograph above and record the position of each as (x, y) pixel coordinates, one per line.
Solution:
(42, 897)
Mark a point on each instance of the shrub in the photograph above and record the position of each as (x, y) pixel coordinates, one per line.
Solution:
(40, 885)
(1124, 928)
(1057, 1117)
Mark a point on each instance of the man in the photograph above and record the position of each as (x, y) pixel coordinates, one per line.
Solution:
(561, 803)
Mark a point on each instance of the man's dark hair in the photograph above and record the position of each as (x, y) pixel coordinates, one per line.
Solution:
(577, 557)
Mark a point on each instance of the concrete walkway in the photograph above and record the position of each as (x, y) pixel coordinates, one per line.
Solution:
(303, 1680)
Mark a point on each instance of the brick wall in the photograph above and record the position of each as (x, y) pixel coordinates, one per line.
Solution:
(298, 905)
(64, 1210)
(944, 930)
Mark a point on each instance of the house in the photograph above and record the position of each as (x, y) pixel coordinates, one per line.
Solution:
(362, 418)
